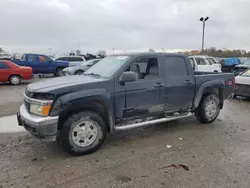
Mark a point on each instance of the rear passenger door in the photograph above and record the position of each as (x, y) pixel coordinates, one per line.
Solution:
(180, 83)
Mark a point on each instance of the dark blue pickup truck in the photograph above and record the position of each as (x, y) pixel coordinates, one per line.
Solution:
(118, 93)
(42, 64)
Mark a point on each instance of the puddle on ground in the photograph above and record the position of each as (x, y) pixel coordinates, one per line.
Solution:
(9, 124)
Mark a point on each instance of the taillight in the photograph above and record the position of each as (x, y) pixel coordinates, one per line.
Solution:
(231, 82)
(234, 86)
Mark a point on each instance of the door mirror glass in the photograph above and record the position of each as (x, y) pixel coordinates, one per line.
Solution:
(128, 76)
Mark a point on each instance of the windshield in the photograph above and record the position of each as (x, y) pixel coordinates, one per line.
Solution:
(246, 74)
(211, 61)
(247, 62)
(108, 66)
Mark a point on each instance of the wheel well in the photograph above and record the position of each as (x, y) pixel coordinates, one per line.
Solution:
(59, 68)
(14, 75)
(216, 91)
(93, 106)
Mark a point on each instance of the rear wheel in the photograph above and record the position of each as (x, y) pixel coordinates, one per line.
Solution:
(208, 109)
(15, 79)
(83, 133)
(78, 72)
(59, 72)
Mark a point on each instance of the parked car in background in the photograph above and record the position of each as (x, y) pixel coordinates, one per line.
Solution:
(10, 72)
(241, 67)
(228, 64)
(80, 69)
(242, 82)
(204, 64)
(5, 56)
(121, 92)
(42, 64)
(73, 60)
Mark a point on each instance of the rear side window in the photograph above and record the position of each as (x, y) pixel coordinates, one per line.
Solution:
(32, 58)
(176, 66)
(62, 59)
(200, 61)
(75, 59)
(3, 66)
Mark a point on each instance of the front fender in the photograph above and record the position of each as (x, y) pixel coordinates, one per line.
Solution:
(208, 86)
(78, 99)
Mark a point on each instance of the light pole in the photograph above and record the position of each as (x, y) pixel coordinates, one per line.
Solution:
(203, 20)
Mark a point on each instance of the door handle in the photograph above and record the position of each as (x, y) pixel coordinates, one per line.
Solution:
(158, 85)
(188, 82)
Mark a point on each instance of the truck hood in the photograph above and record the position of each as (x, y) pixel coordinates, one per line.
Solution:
(62, 82)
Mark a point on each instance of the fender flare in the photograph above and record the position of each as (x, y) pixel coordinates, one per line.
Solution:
(216, 84)
(77, 99)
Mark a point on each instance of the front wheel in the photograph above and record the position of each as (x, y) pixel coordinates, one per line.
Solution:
(83, 133)
(59, 72)
(208, 109)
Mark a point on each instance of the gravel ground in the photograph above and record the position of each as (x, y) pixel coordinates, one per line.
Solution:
(215, 155)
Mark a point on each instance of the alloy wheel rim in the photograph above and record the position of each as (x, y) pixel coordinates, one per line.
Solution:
(84, 133)
(210, 108)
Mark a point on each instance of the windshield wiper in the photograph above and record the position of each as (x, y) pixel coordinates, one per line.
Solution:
(93, 74)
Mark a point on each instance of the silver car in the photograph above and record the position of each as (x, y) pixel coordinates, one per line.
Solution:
(78, 70)
(242, 82)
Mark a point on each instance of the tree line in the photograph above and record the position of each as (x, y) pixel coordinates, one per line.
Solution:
(220, 52)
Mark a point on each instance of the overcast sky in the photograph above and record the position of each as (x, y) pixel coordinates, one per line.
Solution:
(62, 25)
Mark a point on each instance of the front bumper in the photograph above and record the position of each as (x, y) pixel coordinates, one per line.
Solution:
(43, 128)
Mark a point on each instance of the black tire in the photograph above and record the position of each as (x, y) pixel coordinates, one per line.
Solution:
(59, 72)
(67, 133)
(79, 72)
(15, 79)
(203, 114)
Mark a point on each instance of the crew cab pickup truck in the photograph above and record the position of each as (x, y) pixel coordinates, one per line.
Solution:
(42, 64)
(118, 93)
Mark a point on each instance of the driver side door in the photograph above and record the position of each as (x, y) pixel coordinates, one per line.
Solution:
(144, 96)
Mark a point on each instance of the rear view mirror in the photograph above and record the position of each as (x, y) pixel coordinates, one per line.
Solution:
(128, 76)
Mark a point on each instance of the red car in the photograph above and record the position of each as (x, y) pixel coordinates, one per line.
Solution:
(10, 72)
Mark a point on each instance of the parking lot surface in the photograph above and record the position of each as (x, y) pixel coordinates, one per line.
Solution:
(178, 154)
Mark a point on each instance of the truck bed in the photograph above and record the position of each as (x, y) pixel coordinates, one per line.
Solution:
(202, 77)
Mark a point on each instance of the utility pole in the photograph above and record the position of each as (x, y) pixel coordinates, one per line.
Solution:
(203, 20)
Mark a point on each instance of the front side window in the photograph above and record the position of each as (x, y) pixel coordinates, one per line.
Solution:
(146, 68)
(31, 58)
(108, 66)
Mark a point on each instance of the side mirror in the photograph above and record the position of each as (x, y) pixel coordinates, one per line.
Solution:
(128, 76)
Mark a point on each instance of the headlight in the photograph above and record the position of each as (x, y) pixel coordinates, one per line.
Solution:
(40, 110)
